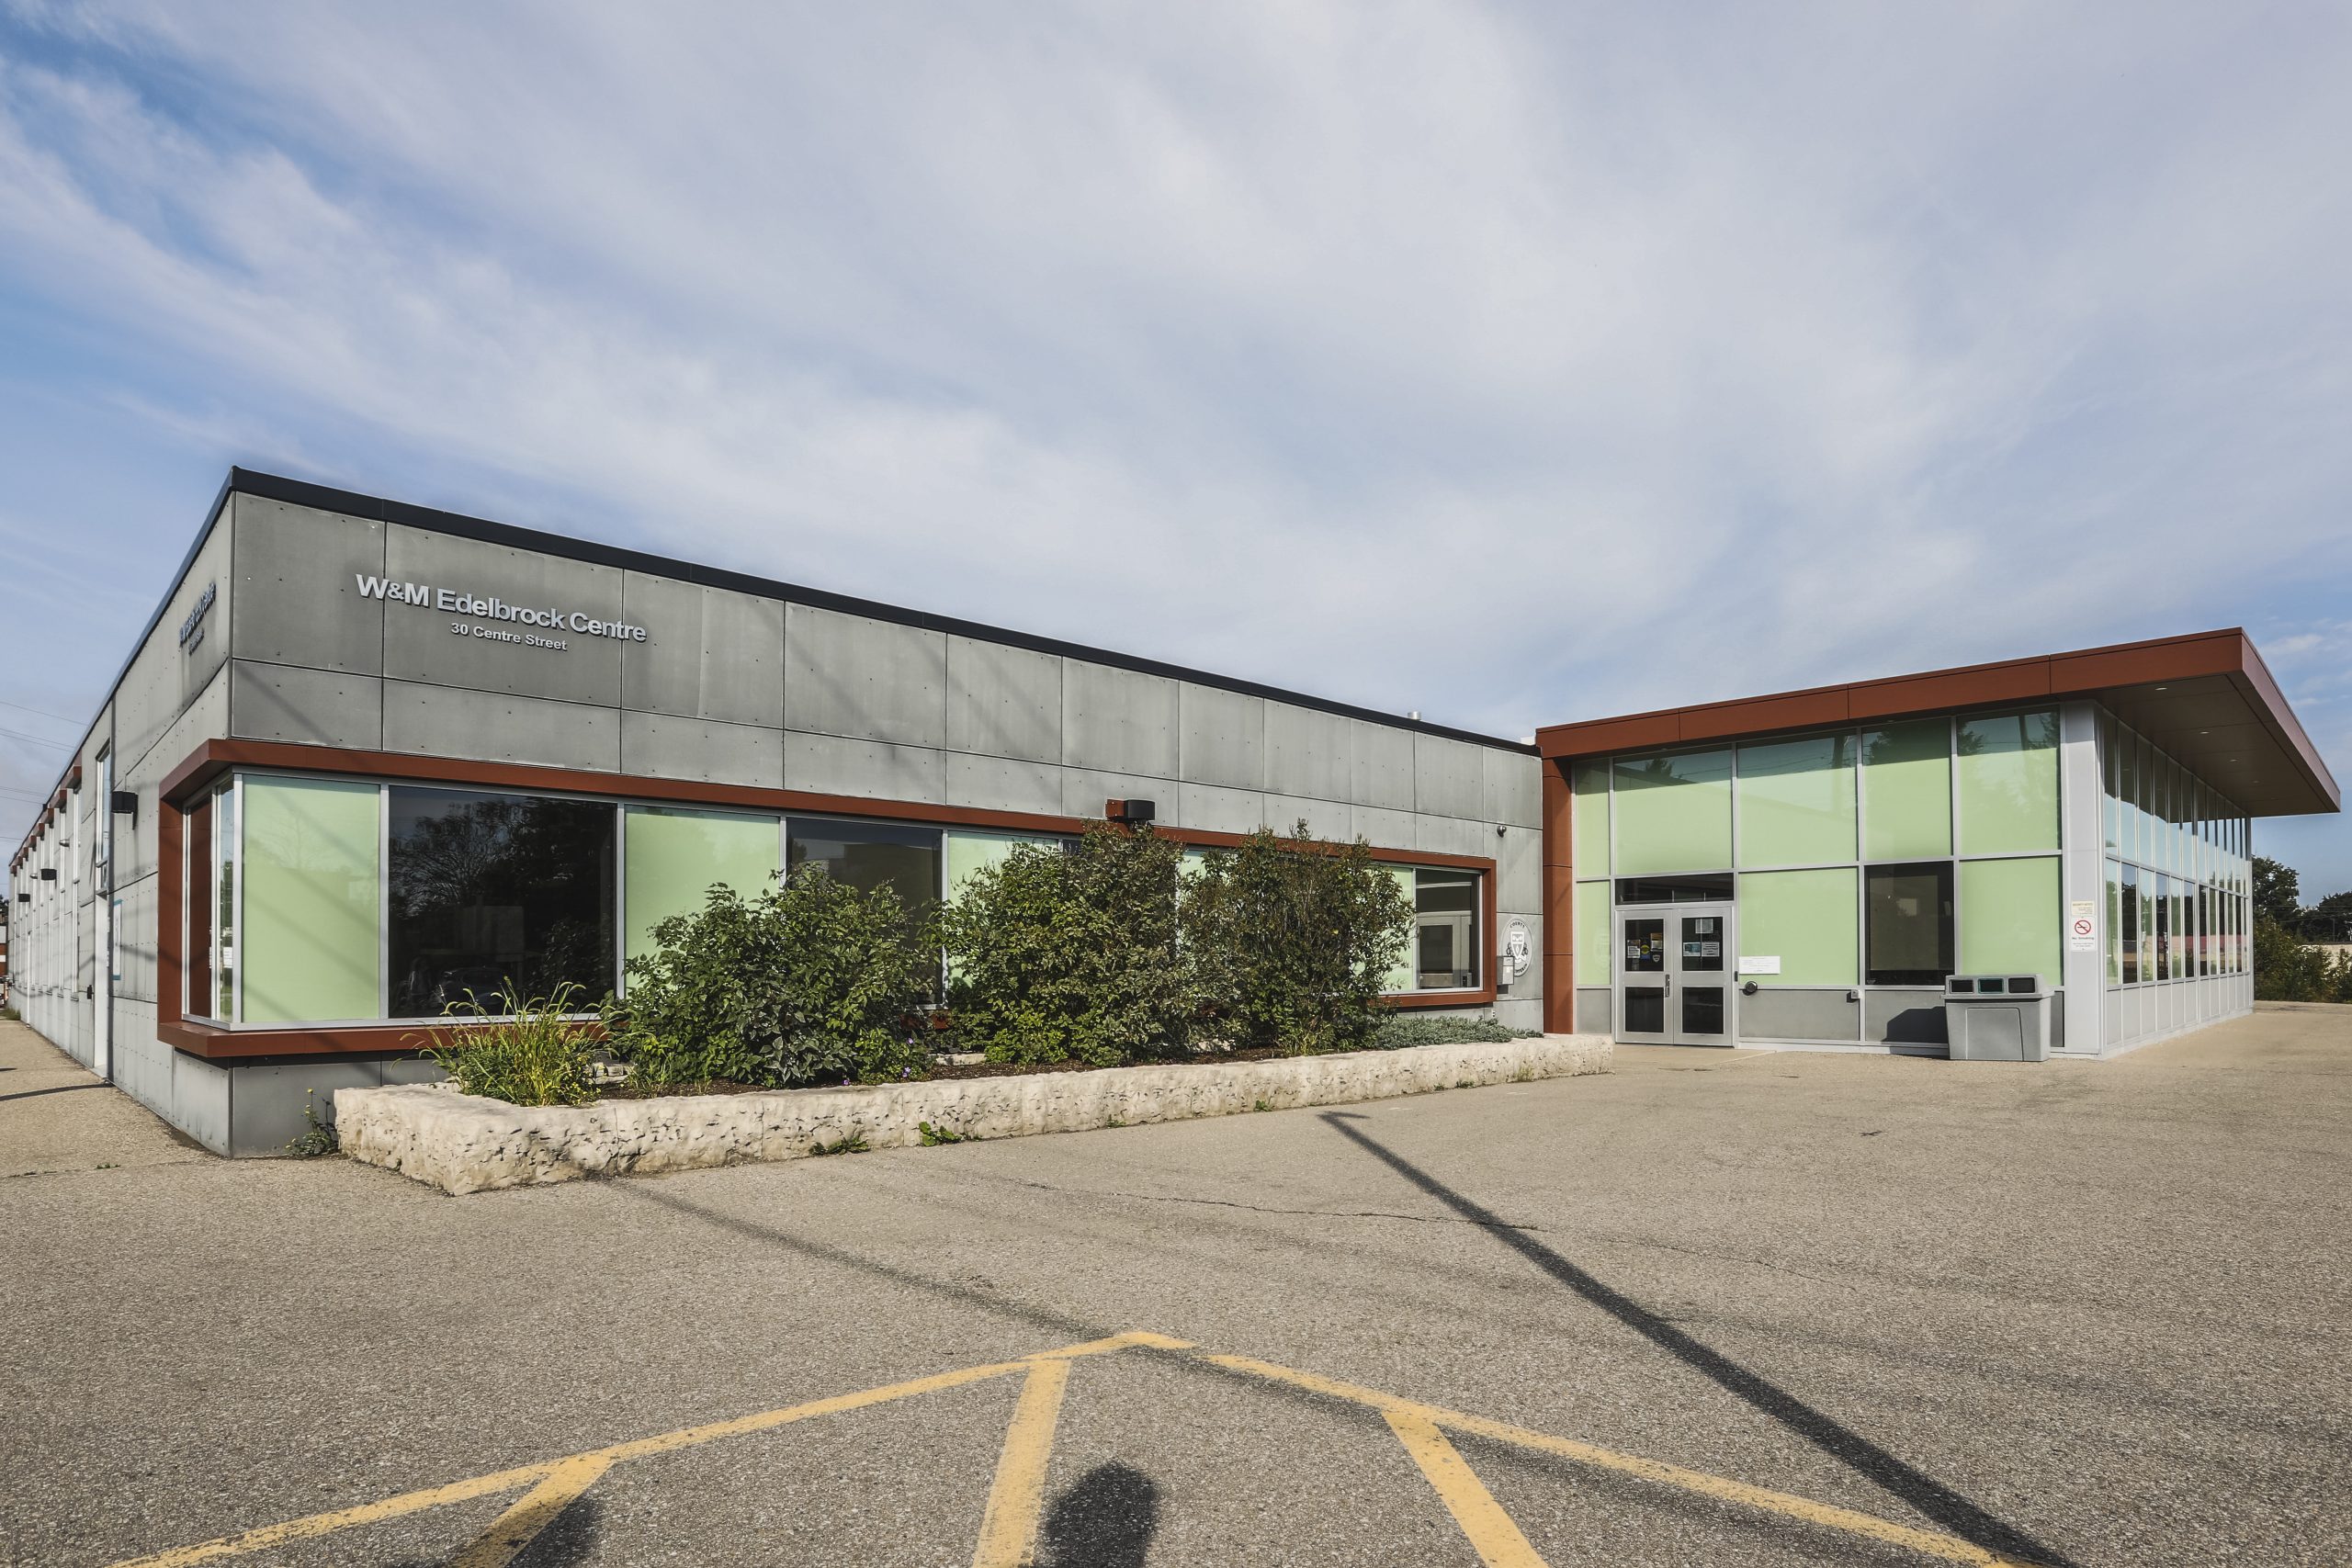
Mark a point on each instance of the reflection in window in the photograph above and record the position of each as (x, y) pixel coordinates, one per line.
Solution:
(2129, 923)
(1445, 930)
(225, 842)
(867, 855)
(198, 830)
(1909, 936)
(488, 888)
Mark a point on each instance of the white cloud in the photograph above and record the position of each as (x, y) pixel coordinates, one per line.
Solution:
(1513, 364)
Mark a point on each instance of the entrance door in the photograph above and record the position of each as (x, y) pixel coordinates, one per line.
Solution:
(1674, 974)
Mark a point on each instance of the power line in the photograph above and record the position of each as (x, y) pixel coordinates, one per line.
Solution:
(38, 713)
(36, 740)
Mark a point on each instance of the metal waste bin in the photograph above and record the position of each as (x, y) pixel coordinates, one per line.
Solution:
(1997, 1017)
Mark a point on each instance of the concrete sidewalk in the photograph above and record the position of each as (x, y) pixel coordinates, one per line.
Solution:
(55, 1114)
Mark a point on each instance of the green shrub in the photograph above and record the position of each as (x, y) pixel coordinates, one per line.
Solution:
(537, 1056)
(1291, 939)
(1058, 955)
(1398, 1030)
(2288, 970)
(813, 981)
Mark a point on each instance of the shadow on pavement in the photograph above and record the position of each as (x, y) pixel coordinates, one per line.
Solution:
(1923, 1492)
(1106, 1519)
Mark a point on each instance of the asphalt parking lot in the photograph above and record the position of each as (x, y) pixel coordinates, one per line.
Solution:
(1723, 1308)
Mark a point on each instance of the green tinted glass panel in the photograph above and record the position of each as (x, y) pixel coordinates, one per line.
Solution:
(2008, 784)
(1589, 783)
(2114, 924)
(1796, 801)
(313, 900)
(1810, 920)
(1673, 812)
(1400, 975)
(971, 852)
(2009, 918)
(1592, 933)
(1907, 791)
(675, 857)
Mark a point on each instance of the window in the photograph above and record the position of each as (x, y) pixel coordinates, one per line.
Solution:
(2008, 783)
(675, 856)
(2114, 923)
(488, 889)
(2128, 922)
(198, 1003)
(2163, 929)
(867, 855)
(970, 852)
(1592, 933)
(1445, 930)
(1673, 812)
(313, 931)
(1910, 923)
(225, 841)
(1907, 790)
(1796, 802)
(1590, 787)
(1804, 918)
(2010, 918)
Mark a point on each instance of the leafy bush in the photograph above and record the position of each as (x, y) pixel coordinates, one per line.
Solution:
(537, 1056)
(810, 982)
(1400, 1029)
(1291, 938)
(1058, 955)
(2287, 970)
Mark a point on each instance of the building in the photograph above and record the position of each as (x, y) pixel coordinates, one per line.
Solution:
(1808, 868)
(369, 757)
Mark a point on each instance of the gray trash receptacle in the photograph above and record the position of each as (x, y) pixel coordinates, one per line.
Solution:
(1997, 1017)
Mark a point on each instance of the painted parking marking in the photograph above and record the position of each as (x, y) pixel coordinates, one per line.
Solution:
(1016, 1496)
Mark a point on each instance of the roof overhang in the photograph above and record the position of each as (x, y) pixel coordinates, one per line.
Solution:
(2207, 699)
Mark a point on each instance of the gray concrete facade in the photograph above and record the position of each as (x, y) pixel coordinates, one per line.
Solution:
(725, 684)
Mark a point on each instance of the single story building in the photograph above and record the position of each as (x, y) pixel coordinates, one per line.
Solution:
(369, 757)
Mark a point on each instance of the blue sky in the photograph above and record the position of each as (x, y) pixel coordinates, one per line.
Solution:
(1509, 363)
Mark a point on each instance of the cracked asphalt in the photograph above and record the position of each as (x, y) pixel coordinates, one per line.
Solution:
(2080, 1314)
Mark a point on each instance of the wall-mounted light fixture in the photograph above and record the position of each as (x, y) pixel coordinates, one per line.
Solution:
(126, 803)
(49, 873)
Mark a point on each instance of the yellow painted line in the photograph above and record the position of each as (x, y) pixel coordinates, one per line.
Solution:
(510, 1479)
(1489, 1530)
(533, 1512)
(1009, 1527)
(1930, 1543)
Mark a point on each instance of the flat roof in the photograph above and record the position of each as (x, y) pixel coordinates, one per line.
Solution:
(2205, 698)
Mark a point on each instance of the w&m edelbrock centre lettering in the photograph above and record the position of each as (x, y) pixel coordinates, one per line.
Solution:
(451, 601)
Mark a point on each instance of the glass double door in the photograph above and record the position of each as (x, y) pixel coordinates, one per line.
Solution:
(1675, 968)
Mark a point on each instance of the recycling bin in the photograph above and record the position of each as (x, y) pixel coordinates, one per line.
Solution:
(1997, 1017)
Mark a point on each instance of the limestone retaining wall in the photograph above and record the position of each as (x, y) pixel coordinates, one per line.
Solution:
(464, 1144)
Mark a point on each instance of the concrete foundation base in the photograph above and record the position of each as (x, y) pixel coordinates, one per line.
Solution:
(465, 1144)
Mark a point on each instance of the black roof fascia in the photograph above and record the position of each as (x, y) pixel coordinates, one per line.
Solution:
(326, 498)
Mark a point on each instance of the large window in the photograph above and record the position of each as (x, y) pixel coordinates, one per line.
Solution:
(2010, 918)
(674, 857)
(197, 1002)
(1804, 918)
(2008, 783)
(1445, 930)
(869, 855)
(314, 938)
(489, 890)
(1796, 802)
(1673, 812)
(1907, 790)
(1909, 932)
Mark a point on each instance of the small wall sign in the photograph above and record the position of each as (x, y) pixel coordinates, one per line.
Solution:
(1768, 965)
(2082, 925)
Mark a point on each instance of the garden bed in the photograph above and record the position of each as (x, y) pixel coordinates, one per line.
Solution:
(462, 1142)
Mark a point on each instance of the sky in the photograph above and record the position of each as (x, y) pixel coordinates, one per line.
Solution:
(1507, 363)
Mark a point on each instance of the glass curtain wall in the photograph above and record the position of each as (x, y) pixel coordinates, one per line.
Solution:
(1894, 854)
(331, 900)
(2179, 881)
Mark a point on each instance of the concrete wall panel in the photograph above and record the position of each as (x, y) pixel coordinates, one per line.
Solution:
(866, 680)
(297, 597)
(1380, 766)
(1381, 828)
(1217, 811)
(1308, 752)
(1119, 721)
(709, 653)
(1904, 1017)
(267, 1103)
(437, 721)
(1223, 737)
(204, 719)
(317, 707)
(668, 746)
(1005, 783)
(1323, 819)
(1519, 867)
(1449, 777)
(207, 648)
(831, 764)
(1514, 788)
(1453, 836)
(1085, 789)
(199, 1101)
(420, 646)
(1594, 1011)
(1003, 701)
